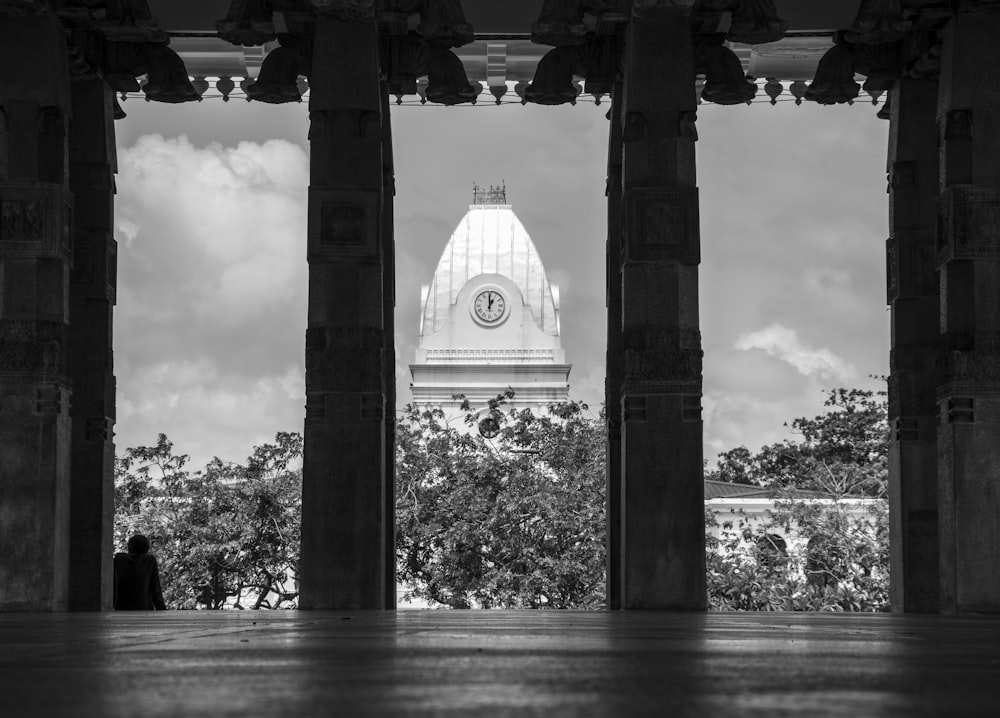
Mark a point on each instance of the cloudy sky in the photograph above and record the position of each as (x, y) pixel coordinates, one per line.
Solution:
(211, 212)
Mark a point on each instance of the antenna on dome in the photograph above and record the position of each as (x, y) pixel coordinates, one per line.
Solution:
(489, 195)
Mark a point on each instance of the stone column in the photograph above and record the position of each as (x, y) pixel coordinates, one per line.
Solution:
(344, 522)
(92, 168)
(913, 298)
(389, 370)
(663, 529)
(36, 251)
(969, 265)
(613, 360)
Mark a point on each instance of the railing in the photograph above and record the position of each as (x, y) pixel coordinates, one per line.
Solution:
(492, 355)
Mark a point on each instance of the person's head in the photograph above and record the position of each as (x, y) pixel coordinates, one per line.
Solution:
(138, 544)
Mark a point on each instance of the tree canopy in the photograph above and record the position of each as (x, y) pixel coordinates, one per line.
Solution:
(843, 561)
(841, 451)
(223, 535)
(516, 521)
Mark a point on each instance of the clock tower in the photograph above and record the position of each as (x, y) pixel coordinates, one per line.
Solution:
(490, 317)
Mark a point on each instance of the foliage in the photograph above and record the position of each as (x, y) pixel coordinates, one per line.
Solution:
(223, 535)
(842, 559)
(516, 521)
(841, 563)
(842, 451)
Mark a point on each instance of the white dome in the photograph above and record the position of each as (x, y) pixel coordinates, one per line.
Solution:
(490, 239)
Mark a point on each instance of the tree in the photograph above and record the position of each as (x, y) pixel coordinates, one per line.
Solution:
(842, 451)
(841, 455)
(516, 521)
(223, 535)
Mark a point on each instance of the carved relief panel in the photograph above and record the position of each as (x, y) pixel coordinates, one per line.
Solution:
(969, 223)
(36, 221)
(662, 224)
(343, 225)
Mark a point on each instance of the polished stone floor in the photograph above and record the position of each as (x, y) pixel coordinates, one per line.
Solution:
(489, 663)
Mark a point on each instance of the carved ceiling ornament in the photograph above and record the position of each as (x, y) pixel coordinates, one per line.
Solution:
(443, 23)
(834, 82)
(553, 81)
(725, 81)
(277, 81)
(560, 23)
(754, 21)
(249, 22)
(23, 8)
(597, 60)
(447, 82)
(167, 77)
(118, 20)
(879, 21)
(348, 10)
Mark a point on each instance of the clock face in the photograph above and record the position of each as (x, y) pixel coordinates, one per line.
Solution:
(490, 306)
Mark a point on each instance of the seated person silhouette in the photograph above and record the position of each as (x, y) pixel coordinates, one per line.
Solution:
(137, 578)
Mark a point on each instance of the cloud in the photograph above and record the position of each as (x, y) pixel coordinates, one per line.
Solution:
(211, 313)
(212, 278)
(784, 344)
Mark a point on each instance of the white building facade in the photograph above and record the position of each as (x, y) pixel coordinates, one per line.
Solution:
(489, 317)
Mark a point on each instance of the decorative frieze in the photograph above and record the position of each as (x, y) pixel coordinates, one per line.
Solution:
(971, 368)
(23, 8)
(347, 10)
(678, 6)
(879, 21)
(662, 224)
(343, 225)
(32, 347)
(635, 408)
(36, 221)
(21, 220)
(659, 355)
(343, 358)
(969, 223)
